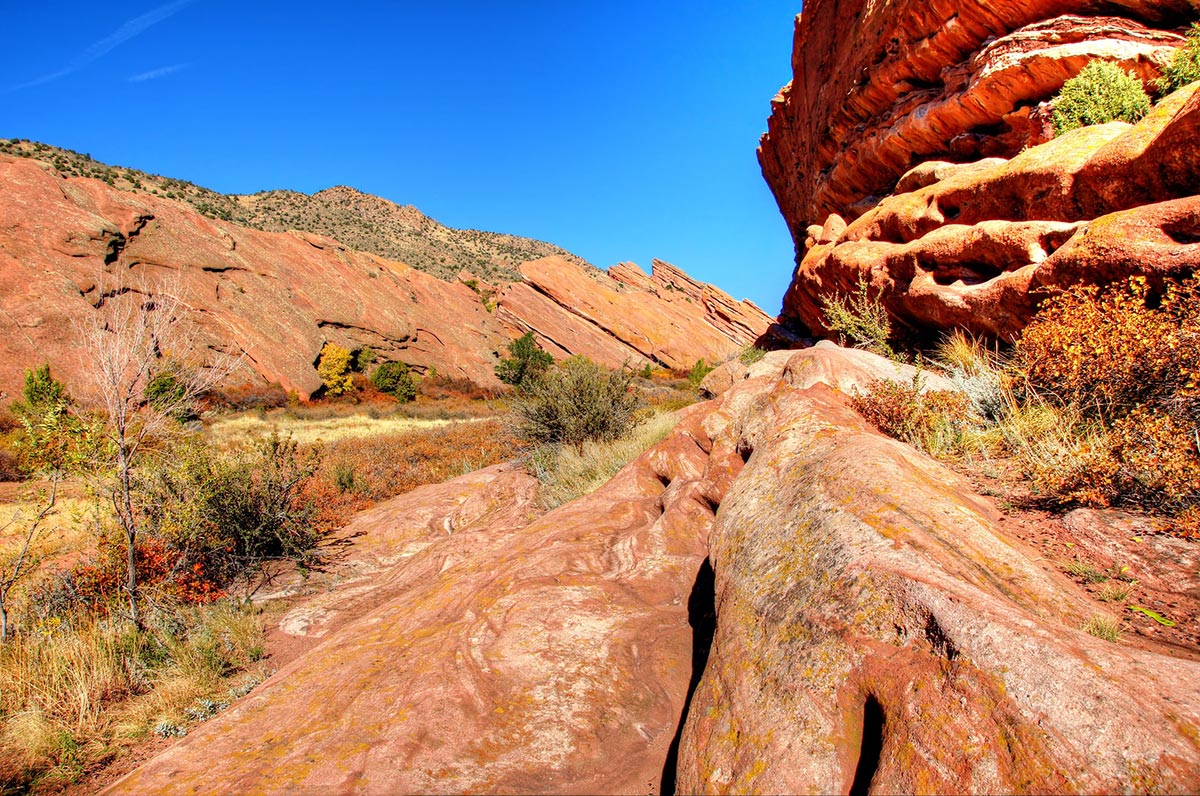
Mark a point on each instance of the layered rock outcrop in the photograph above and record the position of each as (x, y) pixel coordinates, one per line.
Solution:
(69, 244)
(863, 622)
(943, 104)
(977, 246)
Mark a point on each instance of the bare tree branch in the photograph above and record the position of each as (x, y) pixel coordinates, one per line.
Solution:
(23, 564)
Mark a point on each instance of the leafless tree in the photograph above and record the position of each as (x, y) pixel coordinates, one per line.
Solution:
(24, 561)
(139, 331)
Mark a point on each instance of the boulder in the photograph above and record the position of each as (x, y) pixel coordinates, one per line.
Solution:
(852, 618)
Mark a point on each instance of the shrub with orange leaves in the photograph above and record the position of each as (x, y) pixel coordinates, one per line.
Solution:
(927, 419)
(1126, 360)
(1110, 350)
(380, 467)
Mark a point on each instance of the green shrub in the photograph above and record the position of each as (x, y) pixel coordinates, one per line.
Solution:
(225, 515)
(698, 372)
(167, 392)
(395, 379)
(527, 361)
(363, 358)
(860, 318)
(53, 437)
(1101, 93)
(751, 355)
(1185, 64)
(575, 402)
(334, 369)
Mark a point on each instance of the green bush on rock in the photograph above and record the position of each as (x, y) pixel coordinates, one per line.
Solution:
(395, 379)
(577, 401)
(1103, 92)
(1185, 64)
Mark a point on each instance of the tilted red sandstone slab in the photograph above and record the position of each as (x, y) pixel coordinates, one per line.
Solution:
(675, 331)
(558, 330)
(550, 656)
(876, 628)
(976, 246)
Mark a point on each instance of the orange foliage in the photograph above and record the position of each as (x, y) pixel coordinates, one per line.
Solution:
(1109, 351)
(443, 387)
(1130, 360)
(902, 411)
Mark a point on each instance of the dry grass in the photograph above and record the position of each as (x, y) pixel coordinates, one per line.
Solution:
(567, 473)
(308, 430)
(1103, 627)
(73, 696)
(1115, 592)
(382, 466)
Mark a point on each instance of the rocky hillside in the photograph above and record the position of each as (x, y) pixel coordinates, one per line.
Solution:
(358, 220)
(68, 244)
(913, 154)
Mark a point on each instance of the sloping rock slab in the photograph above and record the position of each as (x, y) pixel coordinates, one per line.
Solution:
(553, 657)
(876, 630)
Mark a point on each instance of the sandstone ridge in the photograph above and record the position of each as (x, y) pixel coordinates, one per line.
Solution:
(68, 244)
(774, 599)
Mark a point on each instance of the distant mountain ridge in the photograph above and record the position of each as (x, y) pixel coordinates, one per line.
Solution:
(70, 243)
(359, 220)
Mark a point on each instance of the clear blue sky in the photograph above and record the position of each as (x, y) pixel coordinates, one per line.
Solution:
(621, 130)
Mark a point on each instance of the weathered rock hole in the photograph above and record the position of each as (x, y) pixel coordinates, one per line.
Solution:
(1184, 233)
(872, 747)
(973, 274)
(938, 639)
(702, 616)
(745, 452)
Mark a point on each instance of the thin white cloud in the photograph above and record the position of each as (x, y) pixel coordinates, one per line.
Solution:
(109, 43)
(157, 73)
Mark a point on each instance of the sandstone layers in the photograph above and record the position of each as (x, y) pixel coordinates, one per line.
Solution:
(862, 621)
(895, 155)
(67, 245)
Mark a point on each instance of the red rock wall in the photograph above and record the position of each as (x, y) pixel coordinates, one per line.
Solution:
(879, 87)
(889, 103)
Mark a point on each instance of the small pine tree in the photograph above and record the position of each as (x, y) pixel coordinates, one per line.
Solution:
(526, 363)
(1103, 92)
(1185, 64)
(698, 372)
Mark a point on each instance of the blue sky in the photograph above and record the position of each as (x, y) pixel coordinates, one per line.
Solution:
(619, 130)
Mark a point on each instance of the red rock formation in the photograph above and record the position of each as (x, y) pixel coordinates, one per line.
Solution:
(668, 318)
(873, 624)
(881, 87)
(924, 102)
(977, 245)
(279, 297)
(551, 656)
